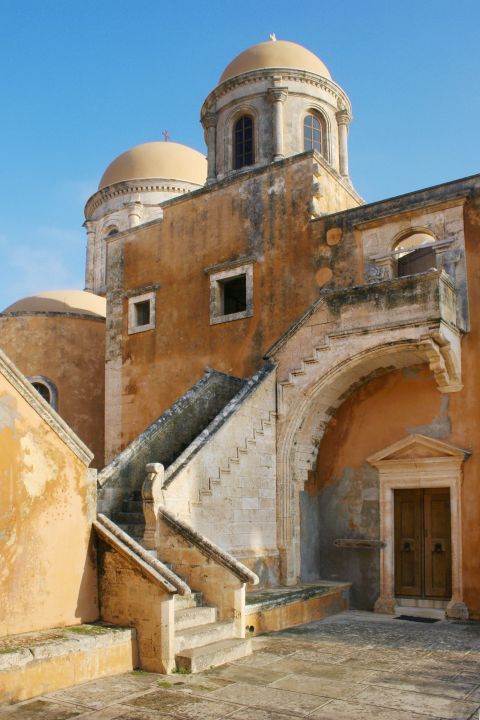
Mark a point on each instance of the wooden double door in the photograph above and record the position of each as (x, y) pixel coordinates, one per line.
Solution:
(423, 552)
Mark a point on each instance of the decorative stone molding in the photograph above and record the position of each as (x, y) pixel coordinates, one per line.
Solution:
(339, 97)
(152, 499)
(418, 461)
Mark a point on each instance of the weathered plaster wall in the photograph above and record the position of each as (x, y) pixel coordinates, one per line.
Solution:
(260, 216)
(70, 351)
(341, 498)
(47, 504)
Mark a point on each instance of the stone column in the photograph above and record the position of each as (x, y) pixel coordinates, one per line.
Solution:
(278, 95)
(210, 125)
(134, 213)
(343, 120)
(90, 262)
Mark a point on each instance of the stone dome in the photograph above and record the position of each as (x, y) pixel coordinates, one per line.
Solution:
(275, 54)
(166, 160)
(76, 302)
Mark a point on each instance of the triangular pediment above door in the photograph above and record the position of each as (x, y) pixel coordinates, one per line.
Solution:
(414, 447)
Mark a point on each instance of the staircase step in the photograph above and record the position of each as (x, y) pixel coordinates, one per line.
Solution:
(128, 518)
(194, 616)
(212, 655)
(203, 635)
(130, 505)
(182, 602)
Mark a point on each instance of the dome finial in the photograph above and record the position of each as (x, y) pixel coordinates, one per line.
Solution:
(273, 37)
(166, 135)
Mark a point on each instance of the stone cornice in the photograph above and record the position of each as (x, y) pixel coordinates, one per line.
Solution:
(46, 412)
(287, 75)
(136, 186)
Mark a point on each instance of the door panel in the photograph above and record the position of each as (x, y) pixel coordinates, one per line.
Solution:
(408, 542)
(423, 554)
(438, 552)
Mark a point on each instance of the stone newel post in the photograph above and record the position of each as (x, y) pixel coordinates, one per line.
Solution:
(152, 498)
(278, 95)
(343, 120)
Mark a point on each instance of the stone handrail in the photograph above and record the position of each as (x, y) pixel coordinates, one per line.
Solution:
(111, 533)
(207, 547)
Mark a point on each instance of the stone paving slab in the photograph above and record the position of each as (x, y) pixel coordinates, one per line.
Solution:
(350, 666)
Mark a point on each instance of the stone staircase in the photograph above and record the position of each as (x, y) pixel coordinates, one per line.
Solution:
(130, 517)
(201, 640)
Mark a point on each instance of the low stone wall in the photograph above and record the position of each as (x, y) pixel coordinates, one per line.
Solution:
(304, 606)
(39, 663)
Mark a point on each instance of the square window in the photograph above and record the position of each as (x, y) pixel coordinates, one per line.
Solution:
(231, 294)
(141, 313)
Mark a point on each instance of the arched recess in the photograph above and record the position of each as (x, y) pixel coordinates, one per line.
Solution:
(309, 406)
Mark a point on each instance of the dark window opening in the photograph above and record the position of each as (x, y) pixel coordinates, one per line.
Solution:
(44, 391)
(243, 142)
(312, 133)
(234, 295)
(142, 313)
(417, 261)
(112, 231)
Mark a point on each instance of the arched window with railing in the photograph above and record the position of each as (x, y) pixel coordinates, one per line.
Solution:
(243, 149)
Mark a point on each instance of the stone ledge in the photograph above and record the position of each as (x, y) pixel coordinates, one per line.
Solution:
(48, 660)
(281, 608)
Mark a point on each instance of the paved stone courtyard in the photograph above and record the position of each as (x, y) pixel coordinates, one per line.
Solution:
(353, 665)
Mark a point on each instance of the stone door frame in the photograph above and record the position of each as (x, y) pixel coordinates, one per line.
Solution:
(419, 462)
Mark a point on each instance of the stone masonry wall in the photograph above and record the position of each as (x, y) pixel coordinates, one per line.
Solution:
(227, 490)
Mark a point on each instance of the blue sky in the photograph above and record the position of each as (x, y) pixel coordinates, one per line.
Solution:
(83, 81)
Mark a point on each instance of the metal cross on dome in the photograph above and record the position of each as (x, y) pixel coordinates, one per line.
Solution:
(273, 37)
(166, 135)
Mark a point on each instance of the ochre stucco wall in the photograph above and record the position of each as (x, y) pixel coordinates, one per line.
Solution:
(264, 217)
(47, 504)
(70, 351)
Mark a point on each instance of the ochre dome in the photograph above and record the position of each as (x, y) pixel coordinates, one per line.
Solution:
(166, 160)
(275, 54)
(77, 302)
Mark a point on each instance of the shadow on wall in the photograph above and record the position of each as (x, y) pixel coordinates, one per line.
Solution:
(347, 509)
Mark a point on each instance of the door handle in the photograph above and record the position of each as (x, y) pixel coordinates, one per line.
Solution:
(407, 547)
(438, 547)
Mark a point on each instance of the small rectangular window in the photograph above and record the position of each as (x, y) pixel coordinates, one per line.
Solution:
(231, 294)
(141, 313)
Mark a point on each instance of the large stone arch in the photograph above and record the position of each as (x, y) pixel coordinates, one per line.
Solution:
(328, 354)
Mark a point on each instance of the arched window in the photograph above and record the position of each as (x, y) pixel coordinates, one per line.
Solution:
(46, 388)
(415, 254)
(112, 231)
(312, 133)
(243, 153)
